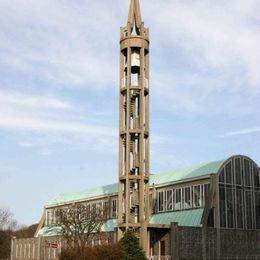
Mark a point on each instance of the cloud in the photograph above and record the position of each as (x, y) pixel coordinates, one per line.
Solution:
(13, 98)
(244, 131)
(221, 35)
(54, 40)
(44, 122)
(28, 122)
(207, 60)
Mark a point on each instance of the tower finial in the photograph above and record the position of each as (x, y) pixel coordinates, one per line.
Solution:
(134, 15)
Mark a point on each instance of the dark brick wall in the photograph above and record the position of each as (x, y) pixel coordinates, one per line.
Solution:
(211, 243)
(190, 243)
(234, 243)
(240, 242)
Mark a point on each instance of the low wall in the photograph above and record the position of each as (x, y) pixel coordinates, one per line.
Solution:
(36, 248)
(47, 248)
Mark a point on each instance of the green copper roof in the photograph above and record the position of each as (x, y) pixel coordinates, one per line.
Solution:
(49, 231)
(187, 173)
(190, 218)
(157, 179)
(110, 225)
(86, 194)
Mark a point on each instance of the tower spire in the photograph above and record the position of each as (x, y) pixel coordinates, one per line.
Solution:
(134, 15)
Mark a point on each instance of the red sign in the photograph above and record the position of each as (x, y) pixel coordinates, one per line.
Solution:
(54, 245)
(51, 244)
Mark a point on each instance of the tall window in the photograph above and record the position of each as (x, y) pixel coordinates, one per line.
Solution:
(256, 178)
(238, 172)
(105, 208)
(257, 208)
(230, 207)
(222, 206)
(50, 217)
(169, 200)
(114, 208)
(178, 199)
(160, 201)
(239, 207)
(247, 173)
(197, 196)
(187, 198)
(239, 191)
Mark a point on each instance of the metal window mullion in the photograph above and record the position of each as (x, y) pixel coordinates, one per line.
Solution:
(157, 201)
(245, 209)
(241, 171)
(235, 206)
(250, 174)
(182, 197)
(225, 191)
(234, 172)
(244, 194)
(192, 195)
(172, 199)
(201, 196)
(233, 194)
(251, 169)
(253, 210)
(164, 200)
(204, 194)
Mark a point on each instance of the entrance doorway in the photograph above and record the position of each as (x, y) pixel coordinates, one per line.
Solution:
(162, 248)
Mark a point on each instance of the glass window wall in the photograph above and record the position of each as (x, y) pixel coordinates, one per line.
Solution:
(182, 198)
(239, 194)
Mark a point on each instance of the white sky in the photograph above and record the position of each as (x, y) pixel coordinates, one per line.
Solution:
(59, 64)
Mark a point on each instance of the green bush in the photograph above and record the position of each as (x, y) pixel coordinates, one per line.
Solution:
(130, 244)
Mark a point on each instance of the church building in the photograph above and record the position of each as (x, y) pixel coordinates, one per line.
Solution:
(206, 211)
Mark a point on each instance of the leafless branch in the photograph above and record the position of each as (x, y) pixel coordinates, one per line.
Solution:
(79, 224)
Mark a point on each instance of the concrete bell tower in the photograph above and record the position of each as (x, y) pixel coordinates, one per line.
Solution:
(134, 147)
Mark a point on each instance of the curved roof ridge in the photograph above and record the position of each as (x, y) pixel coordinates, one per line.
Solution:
(84, 194)
(191, 172)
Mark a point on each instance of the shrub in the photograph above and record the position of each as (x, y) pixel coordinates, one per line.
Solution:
(104, 252)
(130, 244)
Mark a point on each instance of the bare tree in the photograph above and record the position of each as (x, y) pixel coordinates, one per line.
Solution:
(79, 224)
(7, 221)
(7, 225)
